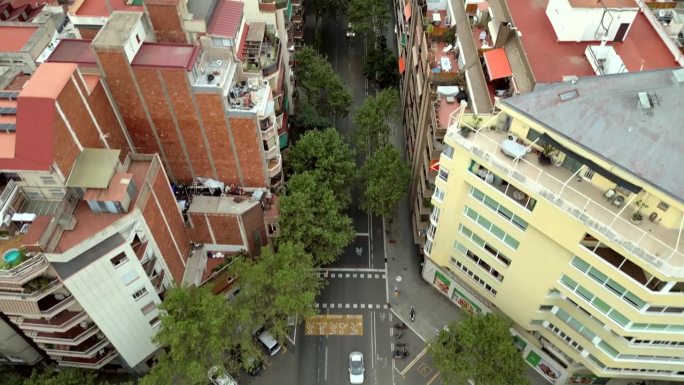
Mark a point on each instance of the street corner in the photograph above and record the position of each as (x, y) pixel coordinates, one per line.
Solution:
(334, 324)
(418, 371)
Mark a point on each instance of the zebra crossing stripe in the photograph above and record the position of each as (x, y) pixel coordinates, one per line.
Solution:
(354, 306)
(332, 305)
(346, 306)
(363, 306)
(355, 275)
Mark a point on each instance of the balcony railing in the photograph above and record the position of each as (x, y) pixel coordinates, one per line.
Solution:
(273, 67)
(31, 293)
(58, 306)
(74, 336)
(90, 363)
(61, 322)
(85, 349)
(484, 144)
(274, 166)
(32, 266)
(272, 151)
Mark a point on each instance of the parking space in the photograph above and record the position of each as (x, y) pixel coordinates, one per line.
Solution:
(420, 371)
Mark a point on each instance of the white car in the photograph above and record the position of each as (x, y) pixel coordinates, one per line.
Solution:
(356, 368)
(350, 30)
(219, 376)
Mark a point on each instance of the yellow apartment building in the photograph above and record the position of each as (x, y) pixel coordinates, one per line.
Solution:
(563, 210)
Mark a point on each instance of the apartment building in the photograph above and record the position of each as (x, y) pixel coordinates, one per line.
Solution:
(564, 211)
(481, 51)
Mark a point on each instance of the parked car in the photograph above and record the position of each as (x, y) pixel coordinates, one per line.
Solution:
(350, 30)
(219, 376)
(356, 368)
(267, 341)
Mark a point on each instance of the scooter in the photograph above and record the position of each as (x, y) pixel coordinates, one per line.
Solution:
(401, 344)
(412, 313)
(400, 325)
(401, 353)
(398, 335)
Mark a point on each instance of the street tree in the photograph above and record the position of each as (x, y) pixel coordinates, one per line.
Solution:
(50, 376)
(375, 118)
(320, 85)
(380, 65)
(278, 285)
(327, 7)
(385, 178)
(310, 213)
(369, 18)
(479, 348)
(194, 325)
(307, 119)
(327, 155)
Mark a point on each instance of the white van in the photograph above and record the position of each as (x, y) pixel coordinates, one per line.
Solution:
(219, 376)
(270, 344)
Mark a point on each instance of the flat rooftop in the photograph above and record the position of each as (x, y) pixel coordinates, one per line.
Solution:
(550, 60)
(89, 222)
(102, 7)
(77, 51)
(116, 30)
(606, 118)
(159, 55)
(235, 205)
(14, 38)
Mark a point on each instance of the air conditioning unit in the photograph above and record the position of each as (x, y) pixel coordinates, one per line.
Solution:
(513, 137)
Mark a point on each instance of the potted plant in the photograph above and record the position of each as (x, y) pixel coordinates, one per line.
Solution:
(546, 154)
(637, 216)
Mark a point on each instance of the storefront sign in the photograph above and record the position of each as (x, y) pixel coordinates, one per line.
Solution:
(464, 303)
(582, 379)
(442, 282)
(542, 366)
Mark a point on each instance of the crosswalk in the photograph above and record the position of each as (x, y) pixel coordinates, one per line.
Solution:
(351, 305)
(325, 274)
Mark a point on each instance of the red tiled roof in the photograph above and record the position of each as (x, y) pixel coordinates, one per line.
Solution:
(103, 7)
(36, 118)
(77, 51)
(14, 38)
(158, 55)
(550, 60)
(497, 64)
(226, 19)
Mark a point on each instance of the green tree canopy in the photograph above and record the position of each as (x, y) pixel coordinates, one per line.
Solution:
(278, 285)
(374, 119)
(310, 213)
(307, 119)
(380, 65)
(385, 177)
(327, 155)
(322, 87)
(480, 348)
(369, 17)
(194, 327)
(50, 376)
(328, 7)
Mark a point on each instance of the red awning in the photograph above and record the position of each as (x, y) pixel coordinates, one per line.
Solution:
(243, 38)
(434, 165)
(407, 11)
(497, 64)
(402, 65)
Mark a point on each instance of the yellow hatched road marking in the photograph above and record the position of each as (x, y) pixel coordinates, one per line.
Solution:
(334, 324)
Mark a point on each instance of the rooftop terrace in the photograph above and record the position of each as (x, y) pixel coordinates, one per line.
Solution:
(643, 49)
(14, 38)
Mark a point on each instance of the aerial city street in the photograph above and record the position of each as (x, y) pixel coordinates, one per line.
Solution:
(332, 192)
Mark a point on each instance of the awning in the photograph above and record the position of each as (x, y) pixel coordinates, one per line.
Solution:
(402, 65)
(94, 168)
(546, 139)
(497, 64)
(434, 164)
(407, 11)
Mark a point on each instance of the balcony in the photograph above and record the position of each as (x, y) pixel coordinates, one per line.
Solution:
(73, 336)
(267, 128)
(261, 50)
(85, 349)
(54, 303)
(102, 358)
(29, 266)
(63, 321)
(275, 166)
(580, 199)
(211, 71)
(34, 289)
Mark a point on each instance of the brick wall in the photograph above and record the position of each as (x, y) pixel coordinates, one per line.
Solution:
(120, 81)
(155, 210)
(226, 229)
(65, 149)
(248, 145)
(199, 232)
(76, 112)
(103, 109)
(88, 33)
(166, 20)
(253, 221)
(211, 110)
(156, 101)
(180, 97)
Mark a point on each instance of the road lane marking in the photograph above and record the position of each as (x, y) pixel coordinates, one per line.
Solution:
(334, 324)
(362, 234)
(415, 360)
(325, 373)
(350, 270)
(433, 378)
(371, 341)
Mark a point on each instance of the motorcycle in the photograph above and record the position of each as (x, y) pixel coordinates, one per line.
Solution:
(401, 344)
(400, 325)
(398, 335)
(412, 313)
(401, 353)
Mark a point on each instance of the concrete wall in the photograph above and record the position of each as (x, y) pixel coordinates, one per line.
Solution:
(586, 24)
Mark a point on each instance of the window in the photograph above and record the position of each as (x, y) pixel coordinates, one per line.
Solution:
(608, 283)
(493, 229)
(480, 262)
(533, 135)
(147, 309)
(482, 283)
(137, 38)
(443, 174)
(545, 307)
(438, 195)
(129, 277)
(663, 206)
(498, 208)
(48, 180)
(119, 260)
(139, 294)
(589, 173)
(155, 321)
(448, 151)
(568, 95)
